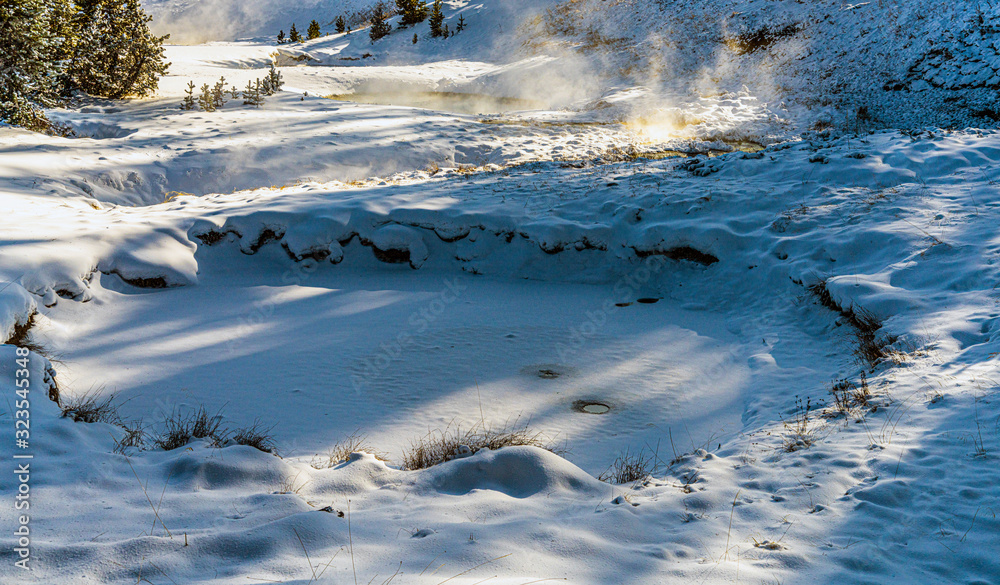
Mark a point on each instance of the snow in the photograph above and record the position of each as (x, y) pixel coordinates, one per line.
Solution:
(327, 268)
(16, 308)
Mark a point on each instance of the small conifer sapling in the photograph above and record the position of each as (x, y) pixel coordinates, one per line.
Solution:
(273, 82)
(206, 100)
(189, 103)
(252, 95)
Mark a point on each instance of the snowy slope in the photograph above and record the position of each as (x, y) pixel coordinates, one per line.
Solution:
(708, 372)
(328, 268)
(197, 21)
(867, 65)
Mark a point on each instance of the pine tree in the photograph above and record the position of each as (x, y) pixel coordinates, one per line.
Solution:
(102, 47)
(412, 11)
(314, 31)
(252, 95)
(437, 19)
(62, 25)
(446, 33)
(273, 81)
(115, 55)
(219, 94)
(415, 38)
(28, 65)
(379, 27)
(460, 26)
(258, 94)
(281, 37)
(248, 95)
(205, 100)
(189, 103)
(340, 24)
(293, 35)
(234, 93)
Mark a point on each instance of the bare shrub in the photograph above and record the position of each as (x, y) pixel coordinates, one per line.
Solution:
(444, 445)
(91, 408)
(21, 337)
(848, 396)
(824, 297)
(257, 436)
(870, 348)
(798, 435)
(290, 485)
(180, 429)
(629, 467)
(203, 425)
(134, 437)
(341, 452)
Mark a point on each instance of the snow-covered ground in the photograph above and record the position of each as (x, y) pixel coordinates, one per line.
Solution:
(327, 268)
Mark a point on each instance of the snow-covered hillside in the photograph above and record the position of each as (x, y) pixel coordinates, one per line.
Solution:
(197, 21)
(737, 331)
(891, 63)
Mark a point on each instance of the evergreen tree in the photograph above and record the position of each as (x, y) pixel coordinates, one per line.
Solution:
(379, 27)
(233, 92)
(273, 81)
(62, 25)
(437, 19)
(412, 11)
(248, 95)
(115, 55)
(446, 33)
(189, 103)
(281, 37)
(102, 47)
(415, 38)
(252, 95)
(314, 31)
(293, 35)
(340, 24)
(28, 65)
(219, 94)
(206, 100)
(460, 26)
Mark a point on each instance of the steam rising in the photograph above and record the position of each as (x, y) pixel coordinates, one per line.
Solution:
(199, 21)
(552, 55)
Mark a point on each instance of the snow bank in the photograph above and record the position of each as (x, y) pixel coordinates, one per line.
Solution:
(16, 308)
(519, 472)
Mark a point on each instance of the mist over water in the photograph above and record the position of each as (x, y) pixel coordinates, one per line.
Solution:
(460, 103)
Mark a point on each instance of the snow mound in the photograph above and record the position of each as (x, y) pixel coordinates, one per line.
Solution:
(195, 468)
(43, 390)
(397, 243)
(519, 472)
(16, 308)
